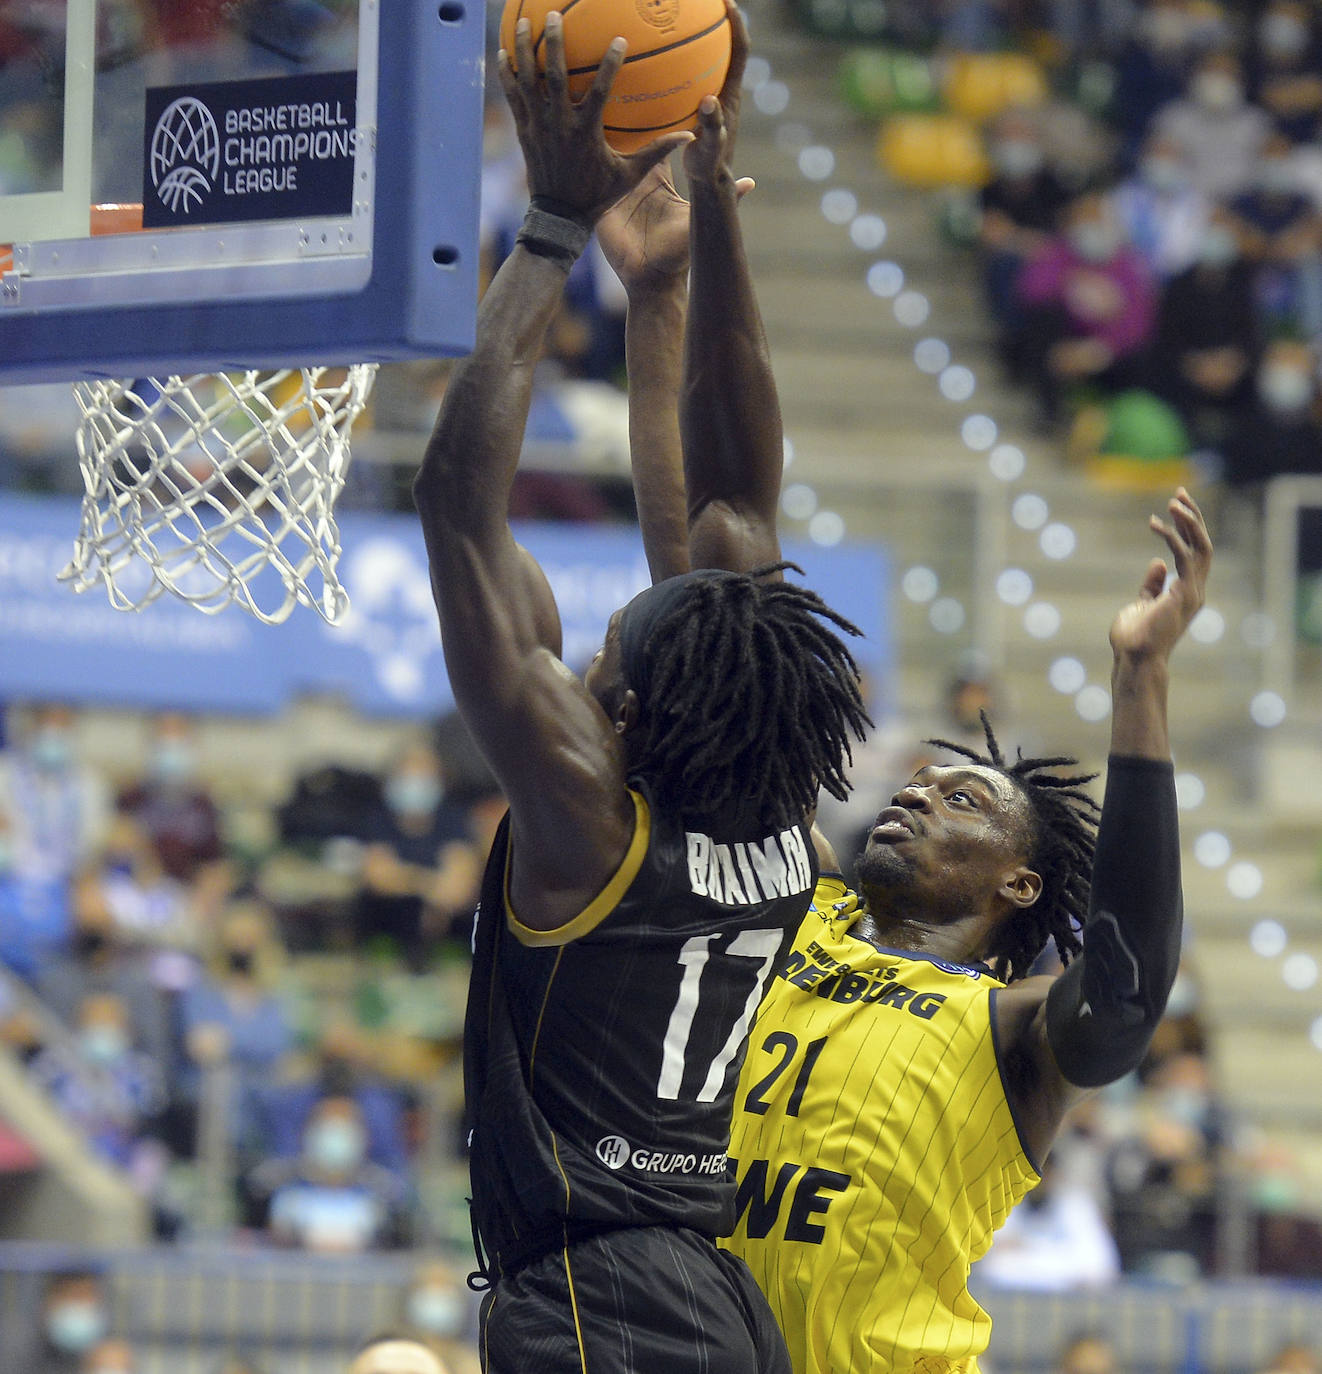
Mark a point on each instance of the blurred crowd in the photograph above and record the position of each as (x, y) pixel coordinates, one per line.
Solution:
(291, 1010)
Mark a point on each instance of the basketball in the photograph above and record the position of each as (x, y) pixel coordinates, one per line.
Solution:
(678, 52)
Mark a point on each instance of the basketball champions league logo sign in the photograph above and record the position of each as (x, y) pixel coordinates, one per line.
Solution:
(274, 148)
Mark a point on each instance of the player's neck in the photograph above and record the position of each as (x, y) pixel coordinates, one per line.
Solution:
(961, 941)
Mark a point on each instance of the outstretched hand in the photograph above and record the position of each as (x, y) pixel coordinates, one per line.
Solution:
(1149, 627)
(566, 152)
(645, 236)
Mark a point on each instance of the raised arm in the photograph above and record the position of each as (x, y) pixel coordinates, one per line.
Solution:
(729, 413)
(550, 745)
(1095, 1022)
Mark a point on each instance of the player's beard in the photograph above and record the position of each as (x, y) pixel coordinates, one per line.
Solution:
(882, 869)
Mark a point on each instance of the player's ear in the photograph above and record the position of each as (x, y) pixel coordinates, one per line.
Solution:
(627, 713)
(1021, 886)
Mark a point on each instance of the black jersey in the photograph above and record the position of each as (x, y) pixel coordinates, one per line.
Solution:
(600, 1059)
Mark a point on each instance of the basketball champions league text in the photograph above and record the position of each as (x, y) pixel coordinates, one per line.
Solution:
(277, 138)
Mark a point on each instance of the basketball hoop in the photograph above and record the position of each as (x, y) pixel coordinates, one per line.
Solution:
(219, 488)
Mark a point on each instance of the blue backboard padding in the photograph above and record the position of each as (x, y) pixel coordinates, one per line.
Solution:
(428, 178)
(386, 659)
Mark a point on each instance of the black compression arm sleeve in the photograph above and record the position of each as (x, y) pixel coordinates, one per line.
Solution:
(1102, 1010)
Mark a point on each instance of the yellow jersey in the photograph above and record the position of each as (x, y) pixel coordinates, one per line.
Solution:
(875, 1150)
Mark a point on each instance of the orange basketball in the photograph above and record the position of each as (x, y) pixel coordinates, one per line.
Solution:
(678, 52)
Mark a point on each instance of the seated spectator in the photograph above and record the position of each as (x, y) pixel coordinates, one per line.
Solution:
(1020, 206)
(332, 1199)
(1218, 132)
(1056, 1240)
(176, 811)
(397, 1354)
(420, 865)
(1294, 1359)
(1281, 232)
(110, 1357)
(230, 1014)
(1287, 69)
(1088, 1354)
(1151, 70)
(1161, 213)
(1281, 431)
(438, 1309)
(99, 959)
(1090, 307)
(341, 1071)
(1206, 345)
(106, 1087)
(75, 1316)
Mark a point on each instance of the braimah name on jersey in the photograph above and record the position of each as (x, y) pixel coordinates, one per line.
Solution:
(749, 872)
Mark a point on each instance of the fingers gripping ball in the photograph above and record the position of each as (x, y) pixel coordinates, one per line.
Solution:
(678, 52)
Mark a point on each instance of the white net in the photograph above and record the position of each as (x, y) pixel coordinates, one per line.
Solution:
(218, 488)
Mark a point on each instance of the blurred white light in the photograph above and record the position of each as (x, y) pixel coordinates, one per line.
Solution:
(1211, 849)
(1257, 629)
(1007, 462)
(1014, 586)
(816, 162)
(1315, 1033)
(1244, 879)
(1190, 793)
(920, 584)
(839, 206)
(931, 355)
(868, 232)
(978, 432)
(826, 528)
(757, 72)
(1042, 620)
(946, 615)
(1207, 626)
(772, 97)
(885, 279)
(1029, 511)
(1267, 709)
(1067, 675)
(798, 501)
(912, 308)
(1268, 939)
(1299, 971)
(958, 383)
(1093, 703)
(1057, 540)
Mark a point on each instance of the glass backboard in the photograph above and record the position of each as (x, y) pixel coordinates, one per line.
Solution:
(215, 184)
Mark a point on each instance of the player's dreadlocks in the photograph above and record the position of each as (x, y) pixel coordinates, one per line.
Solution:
(1064, 833)
(750, 700)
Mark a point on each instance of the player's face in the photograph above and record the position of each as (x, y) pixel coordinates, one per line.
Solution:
(946, 841)
(604, 678)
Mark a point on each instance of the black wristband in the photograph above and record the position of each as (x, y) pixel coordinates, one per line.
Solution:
(559, 233)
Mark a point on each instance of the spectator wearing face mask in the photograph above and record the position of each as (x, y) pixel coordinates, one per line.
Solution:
(438, 1312)
(1090, 307)
(1281, 233)
(1207, 335)
(74, 1320)
(106, 1087)
(98, 959)
(420, 865)
(1281, 432)
(1286, 70)
(1020, 205)
(1162, 214)
(1219, 134)
(175, 809)
(231, 1014)
(332, 1199)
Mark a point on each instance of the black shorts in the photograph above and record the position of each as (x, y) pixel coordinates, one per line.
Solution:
(644, 1300)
